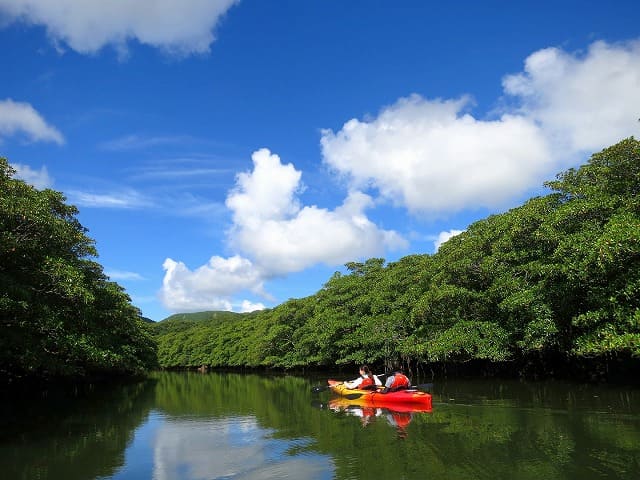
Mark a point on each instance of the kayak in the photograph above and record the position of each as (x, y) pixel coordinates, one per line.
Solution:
(375, 398)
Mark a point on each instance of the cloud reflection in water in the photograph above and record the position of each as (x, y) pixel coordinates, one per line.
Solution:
(231, 448)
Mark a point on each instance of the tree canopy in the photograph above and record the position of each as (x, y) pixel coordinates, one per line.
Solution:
(59, 313)
(558, 275)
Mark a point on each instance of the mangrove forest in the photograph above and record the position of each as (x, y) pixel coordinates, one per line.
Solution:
(550, 283)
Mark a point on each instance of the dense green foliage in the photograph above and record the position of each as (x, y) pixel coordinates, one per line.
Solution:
(559, 275)
(59, 313)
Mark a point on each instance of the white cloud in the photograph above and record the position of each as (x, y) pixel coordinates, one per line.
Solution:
(22, 118)
(584, 102)
(430, 156)
(210, 286)
(267, 193)
(444, 236)
(86, 26)
(38, 178)
(278, 235)
(272, 227)
(247, 306)
(244, 450)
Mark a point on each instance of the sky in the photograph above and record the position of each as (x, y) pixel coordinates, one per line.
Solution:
(234, 154)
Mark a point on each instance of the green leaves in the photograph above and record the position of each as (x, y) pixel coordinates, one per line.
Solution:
(558, 275)
(469, 341)
(60, 315)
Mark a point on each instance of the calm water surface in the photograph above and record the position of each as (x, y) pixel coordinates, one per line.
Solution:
(231, 426)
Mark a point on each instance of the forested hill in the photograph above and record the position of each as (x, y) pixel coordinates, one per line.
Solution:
(556, 278)
(184, 321)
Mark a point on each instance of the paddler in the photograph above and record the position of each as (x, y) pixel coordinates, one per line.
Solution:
(366, 380)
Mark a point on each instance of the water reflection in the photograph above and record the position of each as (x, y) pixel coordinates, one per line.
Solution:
(71, 434)
(221, 426)
(234, 447)
(398, 418)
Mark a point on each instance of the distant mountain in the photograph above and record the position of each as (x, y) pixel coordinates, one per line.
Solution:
(199, 316)
(183, 321)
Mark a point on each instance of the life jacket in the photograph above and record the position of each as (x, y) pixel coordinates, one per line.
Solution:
(400, 381)
(367, 384)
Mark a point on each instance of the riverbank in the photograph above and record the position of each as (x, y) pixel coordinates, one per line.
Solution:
(619, 370)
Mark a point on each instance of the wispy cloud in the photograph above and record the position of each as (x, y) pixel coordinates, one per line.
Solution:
(38, 178)
(161, 172)
(199, 208)
(141, 142)
(123, 275)
(118, 200)
(21, 118)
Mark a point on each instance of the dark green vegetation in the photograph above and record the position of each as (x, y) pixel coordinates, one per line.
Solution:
(555, 279)
(60, 316)
(72, 434)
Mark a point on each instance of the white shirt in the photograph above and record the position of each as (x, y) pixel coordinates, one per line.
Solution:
(358, 381)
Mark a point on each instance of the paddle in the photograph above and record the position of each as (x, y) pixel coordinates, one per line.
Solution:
(322, 388)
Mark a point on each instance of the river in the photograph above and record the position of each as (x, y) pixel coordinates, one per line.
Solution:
(227, 426)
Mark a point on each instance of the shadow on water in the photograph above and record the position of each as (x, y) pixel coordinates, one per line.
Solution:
(229, 425)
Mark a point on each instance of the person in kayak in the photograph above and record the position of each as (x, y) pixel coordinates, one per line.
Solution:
(366, 380)
(397, 381)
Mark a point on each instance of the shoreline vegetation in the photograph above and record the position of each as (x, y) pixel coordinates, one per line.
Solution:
(547, 289)
(550, 288)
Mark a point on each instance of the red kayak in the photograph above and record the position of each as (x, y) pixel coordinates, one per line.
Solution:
(375, 398)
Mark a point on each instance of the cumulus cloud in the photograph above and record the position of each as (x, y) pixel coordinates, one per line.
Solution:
(86, 26)
(38, 178)
(247, 306)
(272, 227)
(276, 235)
(584, 102)
(434, 157)
(21, 118)
(430, 156)
(209, 287)
(444, 236)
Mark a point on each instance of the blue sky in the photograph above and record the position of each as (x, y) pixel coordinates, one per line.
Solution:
(234, 154)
